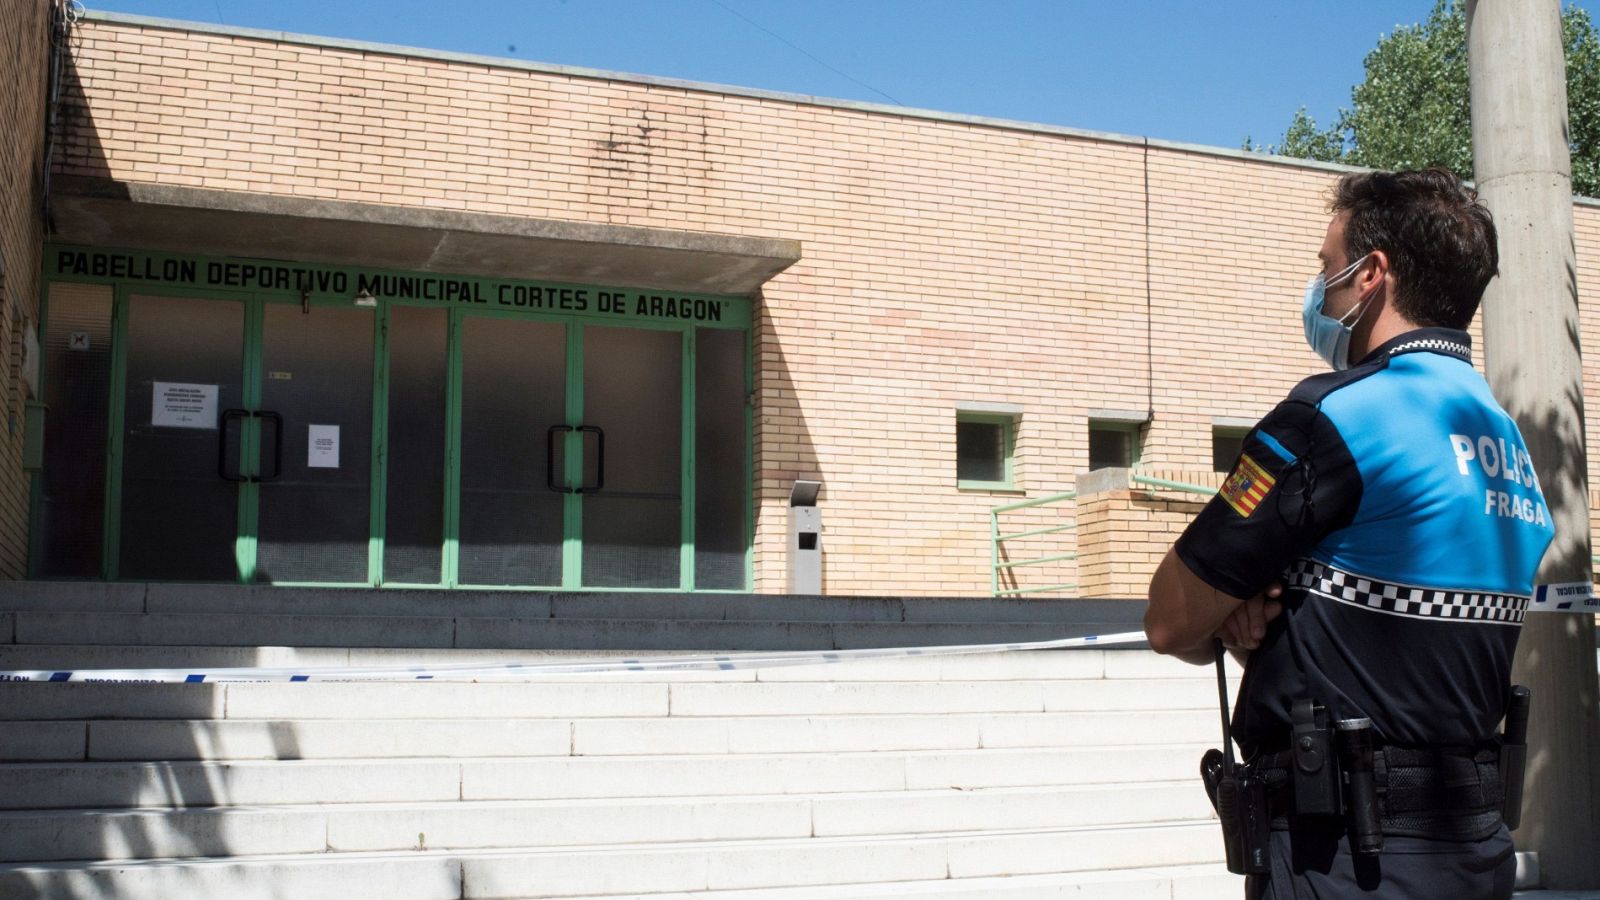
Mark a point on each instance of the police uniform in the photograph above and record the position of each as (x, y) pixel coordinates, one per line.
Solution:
(1397, 503)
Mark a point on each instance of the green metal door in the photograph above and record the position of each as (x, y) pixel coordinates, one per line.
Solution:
(571, 441)
(295, 437)
(184, 483)
(512, 452)
(245, 451)
(314, 416)
(630, 495)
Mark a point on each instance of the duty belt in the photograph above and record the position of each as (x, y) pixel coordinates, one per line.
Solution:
(1335, 775)
(1445, 793)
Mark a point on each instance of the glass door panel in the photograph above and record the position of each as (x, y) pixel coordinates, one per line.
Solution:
(413, 537)
(633, 395)
(316, 491)
(77, 392)
(721, 452)
(513, 390)
(179, 513)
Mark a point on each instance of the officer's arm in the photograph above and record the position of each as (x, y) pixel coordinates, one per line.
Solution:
(1185, 612)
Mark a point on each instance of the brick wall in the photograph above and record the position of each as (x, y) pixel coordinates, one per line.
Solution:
(1124, 534)
(944, 262)
(24, 45)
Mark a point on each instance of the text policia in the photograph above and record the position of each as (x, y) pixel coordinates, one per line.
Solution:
(1507, 463)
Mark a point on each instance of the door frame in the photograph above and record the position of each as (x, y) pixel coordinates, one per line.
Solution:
(572, 455)
(252, 374)
(254, 301)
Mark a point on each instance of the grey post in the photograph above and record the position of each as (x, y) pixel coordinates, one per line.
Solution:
(1532, 355)
(805, 539)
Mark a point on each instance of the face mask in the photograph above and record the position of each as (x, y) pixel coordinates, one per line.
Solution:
(1330, 337)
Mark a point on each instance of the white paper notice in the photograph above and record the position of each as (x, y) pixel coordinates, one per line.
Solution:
(323, 452)
(184, 405)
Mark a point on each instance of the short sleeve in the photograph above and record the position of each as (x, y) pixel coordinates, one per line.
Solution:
(1293, 484)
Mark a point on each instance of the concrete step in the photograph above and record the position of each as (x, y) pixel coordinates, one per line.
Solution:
(46, 596)
(38, 786)
(445, 631)
(1013, 666)
(540, 699)
(832, 734)
(1204, 882)
(157, 740)
(633, 869)
(53, 835)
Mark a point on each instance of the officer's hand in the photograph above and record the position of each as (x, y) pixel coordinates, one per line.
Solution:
(1247, 624)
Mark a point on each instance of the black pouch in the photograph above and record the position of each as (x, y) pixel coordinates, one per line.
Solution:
(1314, 764)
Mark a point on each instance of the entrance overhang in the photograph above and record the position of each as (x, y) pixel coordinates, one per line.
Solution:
(170, 218)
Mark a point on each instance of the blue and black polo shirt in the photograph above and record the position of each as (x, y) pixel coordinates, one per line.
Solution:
(1398, 504)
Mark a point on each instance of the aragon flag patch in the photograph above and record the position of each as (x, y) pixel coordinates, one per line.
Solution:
(1247, 484)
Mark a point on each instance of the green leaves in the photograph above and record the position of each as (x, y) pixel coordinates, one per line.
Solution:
(1414, 109)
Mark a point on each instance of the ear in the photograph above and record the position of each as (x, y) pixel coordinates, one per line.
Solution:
(1370, 277)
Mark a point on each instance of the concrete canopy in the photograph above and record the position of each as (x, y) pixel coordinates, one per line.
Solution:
(143, 216)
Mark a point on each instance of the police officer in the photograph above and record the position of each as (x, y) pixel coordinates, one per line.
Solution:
(1373, 551)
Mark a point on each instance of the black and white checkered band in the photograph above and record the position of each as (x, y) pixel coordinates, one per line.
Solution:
(1404, 599)
(1461, 351)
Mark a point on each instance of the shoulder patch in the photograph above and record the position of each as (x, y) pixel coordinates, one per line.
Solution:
(1246, 486)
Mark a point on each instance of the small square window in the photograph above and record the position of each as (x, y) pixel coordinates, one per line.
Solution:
(984, 446)
(1226, 445)
(1113, 446)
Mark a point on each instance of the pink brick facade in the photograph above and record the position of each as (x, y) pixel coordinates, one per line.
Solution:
(945, 263)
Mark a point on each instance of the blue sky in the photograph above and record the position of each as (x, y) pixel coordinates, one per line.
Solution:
(1183, 70)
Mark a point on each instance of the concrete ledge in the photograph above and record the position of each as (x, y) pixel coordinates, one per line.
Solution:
(218, 599)
(81, 596)
(642, 634)
(1101, 481)
(143, 216)
(222, 629)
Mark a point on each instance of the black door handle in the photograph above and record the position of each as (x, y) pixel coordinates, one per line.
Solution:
(599, 459)
(550, 459)
(223, 469)
(277, 445)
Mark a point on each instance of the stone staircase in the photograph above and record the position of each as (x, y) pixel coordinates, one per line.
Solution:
(1016, 775)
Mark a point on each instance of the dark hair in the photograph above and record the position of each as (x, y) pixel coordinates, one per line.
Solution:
(1439, 239)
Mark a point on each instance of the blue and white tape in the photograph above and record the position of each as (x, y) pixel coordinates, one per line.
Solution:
(1571, 597)
(533, 671)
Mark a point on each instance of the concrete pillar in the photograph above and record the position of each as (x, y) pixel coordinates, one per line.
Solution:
(1531, 352)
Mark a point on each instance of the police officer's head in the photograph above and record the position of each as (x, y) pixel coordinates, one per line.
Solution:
(1429, 233)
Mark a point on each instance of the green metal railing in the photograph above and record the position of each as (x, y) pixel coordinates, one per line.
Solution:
(1167, 485)
(996, 539)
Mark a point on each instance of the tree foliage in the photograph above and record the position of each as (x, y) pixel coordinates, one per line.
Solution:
(1413, 109)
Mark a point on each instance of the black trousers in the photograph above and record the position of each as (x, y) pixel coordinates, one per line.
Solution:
(1311, 864)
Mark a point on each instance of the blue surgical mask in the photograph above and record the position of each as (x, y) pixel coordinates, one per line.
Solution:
(1330, 337)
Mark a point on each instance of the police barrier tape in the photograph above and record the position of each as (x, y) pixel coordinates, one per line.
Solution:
(1574, 596)
(523, 671)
